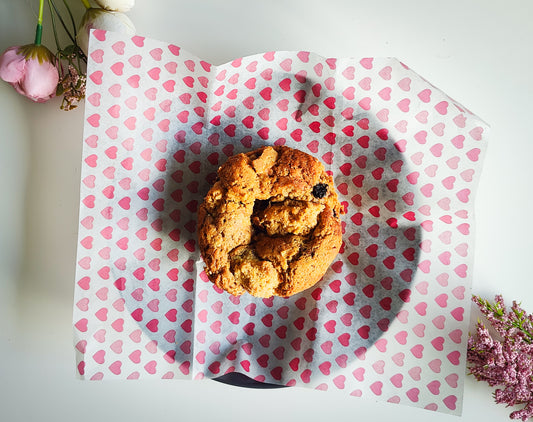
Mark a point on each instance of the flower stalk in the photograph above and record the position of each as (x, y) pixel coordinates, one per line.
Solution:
(39, 29)
(71, 59)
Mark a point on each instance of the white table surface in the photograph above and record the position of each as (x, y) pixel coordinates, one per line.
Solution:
(477, 51)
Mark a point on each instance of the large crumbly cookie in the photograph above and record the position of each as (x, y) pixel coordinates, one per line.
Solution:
(270, 225)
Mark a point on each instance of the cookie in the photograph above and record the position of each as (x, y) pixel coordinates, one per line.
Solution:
(270, 225)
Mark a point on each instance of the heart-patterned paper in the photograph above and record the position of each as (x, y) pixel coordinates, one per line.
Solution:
(389, 319)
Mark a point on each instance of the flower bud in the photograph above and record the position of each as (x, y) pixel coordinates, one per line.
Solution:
(106, 20)
(116, 5)
(31, 70)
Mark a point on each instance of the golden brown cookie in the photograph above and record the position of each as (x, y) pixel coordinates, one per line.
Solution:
(270, 225)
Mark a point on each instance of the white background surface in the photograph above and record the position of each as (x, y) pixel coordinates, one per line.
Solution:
(477, 51)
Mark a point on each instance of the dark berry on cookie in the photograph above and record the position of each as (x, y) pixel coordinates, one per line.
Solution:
(320, 190)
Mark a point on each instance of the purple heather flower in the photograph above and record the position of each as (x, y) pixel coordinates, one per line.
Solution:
(506, 362)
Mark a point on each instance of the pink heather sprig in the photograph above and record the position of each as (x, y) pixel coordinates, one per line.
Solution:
(505, 360)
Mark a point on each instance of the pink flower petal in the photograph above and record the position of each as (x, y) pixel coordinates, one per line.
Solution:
(12, 65)
(40, 80)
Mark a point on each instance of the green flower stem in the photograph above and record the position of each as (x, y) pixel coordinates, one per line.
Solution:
(41, 9)
(38, 34)
(56, 38)
(86, 4)
(73, 22)
(63, 24)
(39, 29)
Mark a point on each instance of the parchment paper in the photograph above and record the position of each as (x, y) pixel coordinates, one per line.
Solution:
(389, 319)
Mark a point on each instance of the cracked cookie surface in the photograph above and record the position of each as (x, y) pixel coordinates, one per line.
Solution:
(270, 225)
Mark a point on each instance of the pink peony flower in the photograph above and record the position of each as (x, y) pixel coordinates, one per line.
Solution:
(31, 70)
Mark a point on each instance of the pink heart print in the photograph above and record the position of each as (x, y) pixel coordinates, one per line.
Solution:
(387, 320)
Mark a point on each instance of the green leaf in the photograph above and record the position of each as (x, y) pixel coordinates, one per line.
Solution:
(70, 50)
